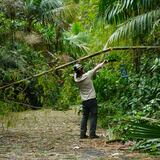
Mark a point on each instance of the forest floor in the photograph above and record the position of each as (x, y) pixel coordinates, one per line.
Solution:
(54, 135)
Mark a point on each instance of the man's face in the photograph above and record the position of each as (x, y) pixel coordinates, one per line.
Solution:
(82, 71)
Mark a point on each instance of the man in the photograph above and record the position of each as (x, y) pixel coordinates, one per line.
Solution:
(88, 96)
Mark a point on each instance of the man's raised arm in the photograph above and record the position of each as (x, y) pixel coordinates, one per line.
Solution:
(98, 66)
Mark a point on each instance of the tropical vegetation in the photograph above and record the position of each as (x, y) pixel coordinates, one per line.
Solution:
(37, 35)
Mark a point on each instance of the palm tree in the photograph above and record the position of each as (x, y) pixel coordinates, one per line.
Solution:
(59, 14)
(41, 10)
(133, 17)
(56, 13)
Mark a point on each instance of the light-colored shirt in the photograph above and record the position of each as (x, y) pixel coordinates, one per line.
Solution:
(85, 84)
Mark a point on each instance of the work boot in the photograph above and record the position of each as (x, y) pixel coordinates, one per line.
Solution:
(93, 136)
(83, 136)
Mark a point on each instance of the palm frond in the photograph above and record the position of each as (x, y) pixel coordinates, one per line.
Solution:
(135, 26)
(126, 3)
(60, 12)
(50, 4)
(114, 13)
(131, 4)
(120, 10)
(103, 5)
(156, 25)
(143, 131)
(149, 4)
(47, 5)
(151, 145)
(148, 136)
(117, 11)
(146, 3)
(76, 45)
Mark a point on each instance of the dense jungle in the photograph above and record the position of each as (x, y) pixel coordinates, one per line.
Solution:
(40, 104)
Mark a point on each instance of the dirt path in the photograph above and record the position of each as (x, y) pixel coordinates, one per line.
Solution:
(54, 135)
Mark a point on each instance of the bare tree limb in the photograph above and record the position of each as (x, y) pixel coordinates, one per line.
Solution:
(81, 59)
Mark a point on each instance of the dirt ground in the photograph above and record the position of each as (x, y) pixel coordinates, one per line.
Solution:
(54, 135)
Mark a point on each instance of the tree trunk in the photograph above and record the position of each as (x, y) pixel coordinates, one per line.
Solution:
(136, 60)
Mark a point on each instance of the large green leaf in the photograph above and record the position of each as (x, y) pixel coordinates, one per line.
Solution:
(147, 136)
(110, 9)
(77, 44)
(60, 13)
(135, 26)
(143, 131)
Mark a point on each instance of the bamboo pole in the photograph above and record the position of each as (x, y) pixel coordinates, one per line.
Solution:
(81, 59)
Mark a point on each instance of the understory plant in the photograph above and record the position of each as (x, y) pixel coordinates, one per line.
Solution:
(131, 103)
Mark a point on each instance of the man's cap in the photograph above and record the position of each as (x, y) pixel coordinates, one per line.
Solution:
(77, 67)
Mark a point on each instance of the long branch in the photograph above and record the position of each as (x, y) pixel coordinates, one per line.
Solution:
(80, 59)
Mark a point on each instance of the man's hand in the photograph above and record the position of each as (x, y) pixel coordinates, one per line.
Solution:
(100, 65)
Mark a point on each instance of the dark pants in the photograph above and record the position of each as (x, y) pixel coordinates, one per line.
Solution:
(90, 108)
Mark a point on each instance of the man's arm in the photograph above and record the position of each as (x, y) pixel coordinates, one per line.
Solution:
(95, 69)
(98, 66)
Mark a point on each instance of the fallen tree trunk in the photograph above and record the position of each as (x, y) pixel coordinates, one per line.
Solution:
(81, 59)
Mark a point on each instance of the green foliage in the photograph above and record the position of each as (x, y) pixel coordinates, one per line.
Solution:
(146, 133)
(8, 107)
(50, 85)
(77, 27)
(143, 131)
(109, 115)
(4, 108)
(134, 17)
(141, 92)
(152, 146)
(18, 64)
(76, 45)
(5, 23)
(137, 100)
(41, 8)
(49, 20)
(139, 24)
(72, 28)
(105, 84)
(68, 93)
(48, 33)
